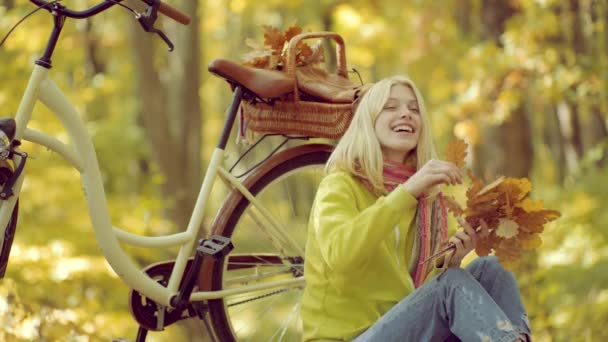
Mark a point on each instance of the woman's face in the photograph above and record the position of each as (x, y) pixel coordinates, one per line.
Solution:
(398, 125)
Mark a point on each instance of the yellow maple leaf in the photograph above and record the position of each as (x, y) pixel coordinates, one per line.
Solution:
(519, 187)
(530, 205)
(456, 151)
(530, 241)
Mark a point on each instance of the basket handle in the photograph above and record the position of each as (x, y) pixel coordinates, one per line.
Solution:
(292, 52)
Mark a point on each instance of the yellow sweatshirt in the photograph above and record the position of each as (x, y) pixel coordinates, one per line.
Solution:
(357, 256)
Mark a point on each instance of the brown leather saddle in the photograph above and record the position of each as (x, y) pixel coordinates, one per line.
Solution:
(316, 83)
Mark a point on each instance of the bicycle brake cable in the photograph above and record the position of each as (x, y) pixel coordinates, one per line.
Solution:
(23, 19)
(125, 6)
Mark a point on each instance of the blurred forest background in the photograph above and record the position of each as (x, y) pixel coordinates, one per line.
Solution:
(525, 82)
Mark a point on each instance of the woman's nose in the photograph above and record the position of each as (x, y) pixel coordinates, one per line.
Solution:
(404, 113)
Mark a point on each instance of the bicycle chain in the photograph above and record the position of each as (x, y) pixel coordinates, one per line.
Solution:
(259, 297)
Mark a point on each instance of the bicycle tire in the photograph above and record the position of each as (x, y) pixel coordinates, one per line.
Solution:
(9, 235)
(282, 167)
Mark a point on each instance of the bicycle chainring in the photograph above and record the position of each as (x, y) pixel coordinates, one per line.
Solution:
(147, 312)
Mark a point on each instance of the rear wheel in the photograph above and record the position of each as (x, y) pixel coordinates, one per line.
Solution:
(285, 186)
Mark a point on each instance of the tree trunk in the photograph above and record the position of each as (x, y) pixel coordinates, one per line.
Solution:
(553, 138)
(94, 65)
(462, 16)
(505, 149)
(170, 114)
(9, 4)
(494, 14)
(598, 134)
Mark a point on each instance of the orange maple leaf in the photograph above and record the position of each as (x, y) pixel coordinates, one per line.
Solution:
(292, 31)
(274, 39)
(456, 151)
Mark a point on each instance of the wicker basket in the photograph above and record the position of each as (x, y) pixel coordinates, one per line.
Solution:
(311, 119)
(298, 117)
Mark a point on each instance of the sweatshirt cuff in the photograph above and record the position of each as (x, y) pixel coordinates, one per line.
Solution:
(399, 199)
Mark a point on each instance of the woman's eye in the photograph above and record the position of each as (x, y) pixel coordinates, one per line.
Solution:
(390, 108)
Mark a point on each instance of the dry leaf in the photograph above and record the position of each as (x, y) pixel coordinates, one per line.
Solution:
(272, 54)
(292, 31)
(491, 186)
(274, 39)
(453, 206)
(531, 205)
(456, 152)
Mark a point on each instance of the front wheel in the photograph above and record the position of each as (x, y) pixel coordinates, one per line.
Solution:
(285, 187)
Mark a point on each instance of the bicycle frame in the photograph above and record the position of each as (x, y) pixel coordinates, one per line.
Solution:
(80, 153)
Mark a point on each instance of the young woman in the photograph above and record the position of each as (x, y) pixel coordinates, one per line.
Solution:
(377, 214)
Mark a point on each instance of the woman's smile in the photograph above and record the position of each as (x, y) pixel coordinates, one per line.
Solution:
(398, 124)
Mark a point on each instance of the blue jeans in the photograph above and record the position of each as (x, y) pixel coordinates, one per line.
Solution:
(479, 303)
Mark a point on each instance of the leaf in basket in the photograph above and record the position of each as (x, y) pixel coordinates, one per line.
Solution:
(274, 39)
(304, 52)
(256, 57)
(456, 152)
(253, 44)
(292, 31)
(318, 54)
(259, 62)
(274, 61)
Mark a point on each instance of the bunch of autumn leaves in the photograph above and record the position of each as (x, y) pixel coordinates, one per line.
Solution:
(272, 53)
(513, 221)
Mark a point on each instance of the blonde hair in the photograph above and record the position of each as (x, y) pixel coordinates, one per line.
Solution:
(359, 153)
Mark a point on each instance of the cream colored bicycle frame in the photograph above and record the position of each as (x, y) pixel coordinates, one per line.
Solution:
(80, 153)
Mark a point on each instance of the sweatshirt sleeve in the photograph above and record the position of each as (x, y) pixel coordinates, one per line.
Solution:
(346, 235)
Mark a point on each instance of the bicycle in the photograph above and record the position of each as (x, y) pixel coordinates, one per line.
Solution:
(268, 236)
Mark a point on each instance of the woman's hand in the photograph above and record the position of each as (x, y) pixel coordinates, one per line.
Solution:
(465, 241)
(433, 173)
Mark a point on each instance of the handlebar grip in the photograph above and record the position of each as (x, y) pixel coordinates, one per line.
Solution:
(174, 13)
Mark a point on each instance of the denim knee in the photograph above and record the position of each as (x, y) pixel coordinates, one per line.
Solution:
(456, 277)
(488, 265)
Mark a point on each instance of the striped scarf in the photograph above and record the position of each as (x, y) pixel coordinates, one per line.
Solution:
(431, 220)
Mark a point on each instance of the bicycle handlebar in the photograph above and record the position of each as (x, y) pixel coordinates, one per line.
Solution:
(165, 9)
(174, 13)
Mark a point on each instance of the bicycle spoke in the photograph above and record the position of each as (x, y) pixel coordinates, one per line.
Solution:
(269, 246)
(261, 316)
(293, 313)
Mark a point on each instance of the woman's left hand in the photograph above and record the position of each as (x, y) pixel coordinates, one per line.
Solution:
(464, 240)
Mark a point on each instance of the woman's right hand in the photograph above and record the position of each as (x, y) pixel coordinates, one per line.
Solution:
(431, 174)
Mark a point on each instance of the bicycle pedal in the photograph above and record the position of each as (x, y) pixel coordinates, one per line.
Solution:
(216, 246)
